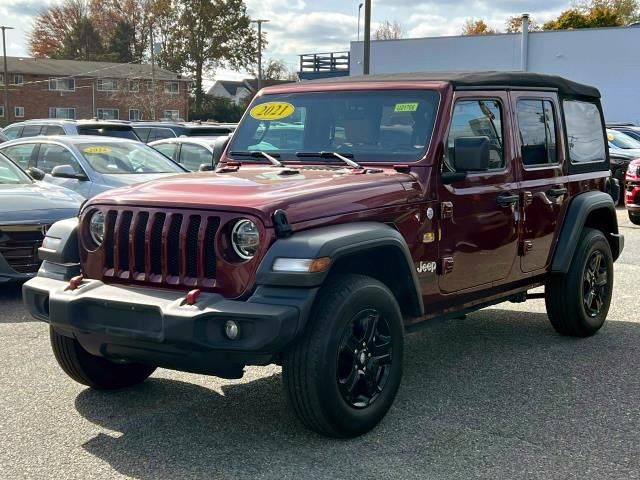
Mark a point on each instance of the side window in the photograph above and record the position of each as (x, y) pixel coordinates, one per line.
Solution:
(192, 156)
(537, 127)
(51, 156)
(21, 154)
(161, 134)
(473, 120)
(168, 149)
(143, 133)
(585, 135)
(31, 130)
(53, 130)
(12, 132)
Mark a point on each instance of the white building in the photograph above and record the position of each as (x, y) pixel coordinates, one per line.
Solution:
(607, 58)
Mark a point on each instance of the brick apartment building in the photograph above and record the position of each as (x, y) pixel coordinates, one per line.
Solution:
(46, 88)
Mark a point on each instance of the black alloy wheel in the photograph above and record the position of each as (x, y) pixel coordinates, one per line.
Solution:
(595, 284)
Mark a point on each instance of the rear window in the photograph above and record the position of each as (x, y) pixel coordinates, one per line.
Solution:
(370, 126)
(585, 135)
(210, 132)
(117, 132)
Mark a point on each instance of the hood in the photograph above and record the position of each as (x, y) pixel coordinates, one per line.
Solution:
(37, 202)
(625, 152)
(115, 180)
(308, 194)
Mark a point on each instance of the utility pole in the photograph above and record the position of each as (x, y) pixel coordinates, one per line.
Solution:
(260, 22)
(153, 77)
(6, 75)
(367, 37)
(359, 9)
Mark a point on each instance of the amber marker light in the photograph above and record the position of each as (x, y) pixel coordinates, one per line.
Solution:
(301, 265)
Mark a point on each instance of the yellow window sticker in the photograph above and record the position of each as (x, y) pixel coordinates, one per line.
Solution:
(272, 111)
(406, 107)
(611, 137)
(97, 150)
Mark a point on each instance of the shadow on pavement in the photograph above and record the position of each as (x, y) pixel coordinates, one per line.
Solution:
(497, 395)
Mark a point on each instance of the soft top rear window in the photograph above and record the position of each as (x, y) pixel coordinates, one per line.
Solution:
(585, 132)
(366, 125)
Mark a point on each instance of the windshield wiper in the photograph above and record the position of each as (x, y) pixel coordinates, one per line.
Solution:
(258, 153)
(323, 154)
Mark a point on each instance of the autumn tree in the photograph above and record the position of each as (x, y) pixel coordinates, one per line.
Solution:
(82, 43)
(477, 27)
(388, 31)
(53, 25)
(514, 24)
(597, 13)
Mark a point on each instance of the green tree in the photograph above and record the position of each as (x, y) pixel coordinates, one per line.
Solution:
(218, 109)
(82, 43)
(121, 44)
(597, 13)
(514, 24)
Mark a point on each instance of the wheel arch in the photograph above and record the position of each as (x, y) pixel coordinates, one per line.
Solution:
(367, 248)
(591, 210)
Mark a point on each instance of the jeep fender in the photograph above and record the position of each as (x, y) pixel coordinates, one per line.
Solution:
(60, 257)
(590, 209)
(341, 242)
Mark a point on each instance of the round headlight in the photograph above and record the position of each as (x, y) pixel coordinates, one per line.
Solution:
(245, 239)
(96, 227)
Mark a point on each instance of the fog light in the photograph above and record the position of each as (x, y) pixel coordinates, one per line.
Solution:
(231, 329)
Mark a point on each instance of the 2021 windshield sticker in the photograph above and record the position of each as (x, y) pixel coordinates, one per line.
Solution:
(272, 111)
(97, 150)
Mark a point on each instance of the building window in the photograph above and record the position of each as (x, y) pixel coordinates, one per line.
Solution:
(18, 79)
(134, 114)
(61, 112)
(134, 86)
(108, 113)
(2, 111)
(62, 84)
(171, 114)
(19, 112)
(171, 87)
(107, 85)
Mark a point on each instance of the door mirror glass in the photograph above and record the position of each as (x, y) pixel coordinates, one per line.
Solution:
(471, 154)
(206, 167)
(66, 171)
(36, 173)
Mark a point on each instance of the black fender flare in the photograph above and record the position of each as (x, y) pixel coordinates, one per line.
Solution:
(576, 219)
(61, 243)
(334, 241)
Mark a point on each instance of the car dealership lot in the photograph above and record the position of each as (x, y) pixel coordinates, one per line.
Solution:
(497, 395)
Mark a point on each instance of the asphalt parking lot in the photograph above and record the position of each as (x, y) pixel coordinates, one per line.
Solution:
(497, 395)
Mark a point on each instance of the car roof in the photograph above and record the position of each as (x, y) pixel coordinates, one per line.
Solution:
(204, 141)
(465, 80)
(84, 122)
(69, 139)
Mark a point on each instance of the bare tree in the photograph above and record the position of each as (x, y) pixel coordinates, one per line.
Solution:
(388, 31)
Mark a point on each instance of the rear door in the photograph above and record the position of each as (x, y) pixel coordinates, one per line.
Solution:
(544, 184)
(479, 215)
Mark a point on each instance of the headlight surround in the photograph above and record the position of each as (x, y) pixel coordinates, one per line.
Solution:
(96, 227)
(245, 239)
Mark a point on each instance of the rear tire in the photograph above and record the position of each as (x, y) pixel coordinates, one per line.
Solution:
(95, 372)
(634, 218)
(342, 376)
(578, 301)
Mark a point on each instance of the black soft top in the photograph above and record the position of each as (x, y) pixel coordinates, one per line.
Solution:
(492, 79)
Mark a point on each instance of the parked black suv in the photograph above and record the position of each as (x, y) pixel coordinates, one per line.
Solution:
(153, 131)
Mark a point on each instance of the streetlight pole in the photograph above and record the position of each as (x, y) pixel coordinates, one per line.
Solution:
(359, 9)
(260, 22)
(367, 37)
(6, 74)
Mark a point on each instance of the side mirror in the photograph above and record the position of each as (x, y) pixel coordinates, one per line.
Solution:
(206, 167)
(66, 171)
(36, 173)
(471, 154)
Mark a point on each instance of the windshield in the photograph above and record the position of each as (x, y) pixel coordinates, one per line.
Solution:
(622, 140)
(117, 132)
(125, 158)
(11, 174)
(368, 126)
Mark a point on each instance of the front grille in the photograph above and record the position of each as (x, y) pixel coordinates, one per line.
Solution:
(158, 247)
(19, 246)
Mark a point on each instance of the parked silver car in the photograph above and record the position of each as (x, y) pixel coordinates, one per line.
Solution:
(52, 126)
(193, 153)
(89, 164)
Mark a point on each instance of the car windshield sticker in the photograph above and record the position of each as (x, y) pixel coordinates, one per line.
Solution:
(97, 150)
(406, 107)
(272, 111)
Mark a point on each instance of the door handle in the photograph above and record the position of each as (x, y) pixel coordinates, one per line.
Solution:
(507, 199)
(557, 191)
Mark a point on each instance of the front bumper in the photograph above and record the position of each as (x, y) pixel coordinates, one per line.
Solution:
(8, 274)
(632, 198)
(156, 327)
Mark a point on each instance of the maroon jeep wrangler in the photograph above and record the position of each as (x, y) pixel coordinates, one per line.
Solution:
(343, 214)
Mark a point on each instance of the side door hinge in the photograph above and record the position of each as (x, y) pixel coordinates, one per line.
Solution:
(526, 247)
(446, 266)
(446, 210)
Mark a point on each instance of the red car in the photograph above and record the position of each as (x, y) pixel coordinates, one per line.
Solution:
(632, 191)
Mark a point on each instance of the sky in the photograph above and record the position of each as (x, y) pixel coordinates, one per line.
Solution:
(304, 26)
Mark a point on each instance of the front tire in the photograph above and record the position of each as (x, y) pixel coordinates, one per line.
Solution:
(578, 301)
(634, 218)
(342, 376)
(95, 372)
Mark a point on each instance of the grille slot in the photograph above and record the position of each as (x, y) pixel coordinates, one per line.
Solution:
(19, 247)
(158, 247)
